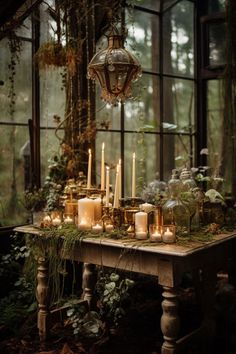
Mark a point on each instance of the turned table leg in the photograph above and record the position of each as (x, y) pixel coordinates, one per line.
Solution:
(169, 320)
(89, 282)
(42, 298)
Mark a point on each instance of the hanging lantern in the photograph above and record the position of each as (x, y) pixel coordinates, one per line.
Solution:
(115, 69)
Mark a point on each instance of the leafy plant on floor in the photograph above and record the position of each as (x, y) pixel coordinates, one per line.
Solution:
(19, 302)
(113, 293)
(85, 323)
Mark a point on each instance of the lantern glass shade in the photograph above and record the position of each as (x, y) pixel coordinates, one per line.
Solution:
(115, 69)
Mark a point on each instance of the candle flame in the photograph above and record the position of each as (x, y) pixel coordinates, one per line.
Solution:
(107, 168)
(133, 155)
(89, 151)
(119, 161)
(103, 146)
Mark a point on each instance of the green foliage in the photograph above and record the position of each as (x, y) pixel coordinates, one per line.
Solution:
(18, 301)
(85, 323)
(35, 200)
(113, 291)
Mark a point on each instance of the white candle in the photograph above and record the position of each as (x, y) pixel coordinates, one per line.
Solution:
(109, 227)
(146, 207)
(97, 209)
(89, 169)
(47, 220)
(107, 186)
(168, 236)
(156, 236)
(120, 185)
(116, 194)
(68, 220)
(97, 228)
(140, 220)
(133, 190)
(56, 221)
(103, 168)
(85, 213)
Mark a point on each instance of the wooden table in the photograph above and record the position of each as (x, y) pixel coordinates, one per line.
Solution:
(167, 262)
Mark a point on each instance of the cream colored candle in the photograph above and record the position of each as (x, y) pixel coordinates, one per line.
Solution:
(168, 235)
(140, 220)
(89, 169)
(116, 194)
(147, 207)
(97, 209)
(107, 186)
(97, 228)
(68, 220)
(85, 213)
(133, 190)
(103, 167)
(56, 221)
(120, 184)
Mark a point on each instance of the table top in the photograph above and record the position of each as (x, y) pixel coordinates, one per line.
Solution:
(175, 249)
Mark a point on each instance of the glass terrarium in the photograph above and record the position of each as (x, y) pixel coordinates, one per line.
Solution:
(175, 212)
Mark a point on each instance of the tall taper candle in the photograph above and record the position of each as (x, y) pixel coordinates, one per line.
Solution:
(133, 190)
(107, 186)
(120, 186)
(116, 194)
(89, 169)
(103, 168)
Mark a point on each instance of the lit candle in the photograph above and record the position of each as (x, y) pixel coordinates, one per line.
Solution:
(47, 220)
(89, 169)
(140, 220)
(68, 220)
(85, 213)
(133, 190)
(109, 227)
(103, 168)
(120, 185)
(168, 236)
(155, 233)
(97, 228)
(107, 186)
(56, 221)
(116, 194)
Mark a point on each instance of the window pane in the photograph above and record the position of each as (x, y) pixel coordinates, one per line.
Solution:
(146, 148)
(144, 111)
(14, 177)
(177, 153)
(178, 43)
(17, 83)
(178, 105)
(143, 39)
(217, 32)
(112, 154)
(49, 147)
(52, 97)
(150, 4)
(25, 29)
(167, 3)
(216, 6)
(107, 116)
(214, 123)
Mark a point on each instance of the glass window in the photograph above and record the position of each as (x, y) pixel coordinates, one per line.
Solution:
(143, 38)
(217, 33)
(178, 43)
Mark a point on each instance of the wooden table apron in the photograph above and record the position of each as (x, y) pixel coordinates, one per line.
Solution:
(167, 262)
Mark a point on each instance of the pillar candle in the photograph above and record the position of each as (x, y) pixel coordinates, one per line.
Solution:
(107, 186)
(89, 169)
(103, 168)
(85, 213)
(116, 194)
(133, 190)
(140, 220)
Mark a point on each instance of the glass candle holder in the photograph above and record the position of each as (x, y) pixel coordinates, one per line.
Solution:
(108, 226)
(69, 218)
(97, 227)
(169, 233)
(155, 233)
(56, 217)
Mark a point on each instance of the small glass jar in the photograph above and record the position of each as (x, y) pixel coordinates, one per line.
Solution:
(68, 218)
(169, 233)
(155, 233)
(97, 228)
